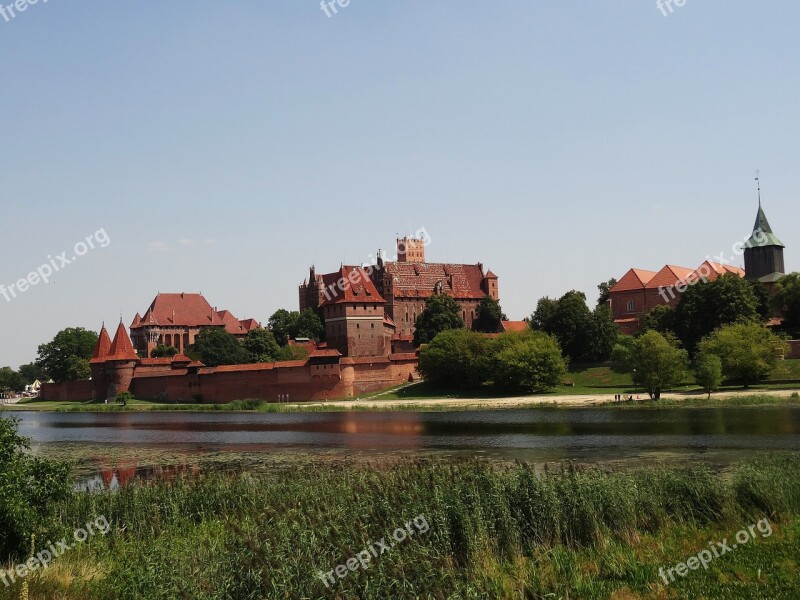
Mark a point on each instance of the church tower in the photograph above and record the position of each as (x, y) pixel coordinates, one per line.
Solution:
(763, 252)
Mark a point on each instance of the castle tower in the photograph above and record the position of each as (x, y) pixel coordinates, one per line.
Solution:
(763, 252)
(120, 365)
(97, 365)
(410, 250)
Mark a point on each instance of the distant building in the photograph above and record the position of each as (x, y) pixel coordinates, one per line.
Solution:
(176, 319)
(763, 252)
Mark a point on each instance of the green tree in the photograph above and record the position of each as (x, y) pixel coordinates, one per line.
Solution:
(708, 305)
(541, 318)
(66, 357)
(658, 363)
(747, 351)
(709, 372)
(527, 361)
(261, 345)
(162, 351)
(661, 319)
(215, 346)
(788, 300)
(602, 335)
(31, 372)
(488, 316)
(10, 380)
(31, 488)
(291, 352)
(282, 324)
(308, 325)
(440, 314)
(622, 353)
(456, 358)
(605, 290)
(570, 322)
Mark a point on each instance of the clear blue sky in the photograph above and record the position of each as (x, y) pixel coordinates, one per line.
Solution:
(224, 147)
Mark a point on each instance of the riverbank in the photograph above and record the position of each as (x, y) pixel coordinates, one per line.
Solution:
(464, 530)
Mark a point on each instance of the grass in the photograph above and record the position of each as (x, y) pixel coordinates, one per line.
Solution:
(495, 532)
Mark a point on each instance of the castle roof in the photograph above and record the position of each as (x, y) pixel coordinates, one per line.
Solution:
(712, 270)
(349, 285)
(634, 279)
(669, 275)
(421, 280)
(121, 347)
(762, 232)
(102, 347)
(189, 310)
(507, 326)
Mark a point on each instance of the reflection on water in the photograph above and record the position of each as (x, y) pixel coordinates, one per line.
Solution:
(533, 435)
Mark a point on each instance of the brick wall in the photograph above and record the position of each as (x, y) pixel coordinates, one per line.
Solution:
(67, 391)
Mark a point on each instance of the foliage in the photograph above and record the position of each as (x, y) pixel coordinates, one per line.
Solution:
(289, 325)
(747, 351)
(605, 289)
(488, 316)
(440, 314)
(29, 488)
(788, 299)
(584, 335)
(657, 363)
(708, 305)
(456, 358)
(291, 352)
(260, 343)
(10, 380)
(66, 357)
(527, 361)
(661, 319)
(162, 351)
(622, 353)
(709, 372)
(124, 397)
(216, 346)
(31, 372)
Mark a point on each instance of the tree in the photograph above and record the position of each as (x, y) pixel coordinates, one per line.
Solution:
(570, 321)
(30, 373)
(747, 351)
(788, 300)
(661, 319)
(261, 345)
(10, 380)
(440, 314)
(541, 318)
(291, 352)
(488, 316)
(218, 347)
(602, 335)
(527, 361)
(708, 305)
(66, 358)
(282, 323)
(308, 325)
(31, 490)
(709, 372)
(605, 289)
(658, 363)
(162, 351)
(456, 358)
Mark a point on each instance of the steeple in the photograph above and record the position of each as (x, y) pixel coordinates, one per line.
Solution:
(102, 347)
(763, 251)
(121, 347)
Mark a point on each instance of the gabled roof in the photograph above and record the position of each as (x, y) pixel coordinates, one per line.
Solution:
(713, 270)
(762, 232)
(102, 347)
(669, 275)
(421, 280)
(189, 310)
(514, 325)
(635, 279)
(121, 347)
(349, 285)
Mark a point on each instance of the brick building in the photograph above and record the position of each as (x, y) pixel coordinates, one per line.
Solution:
(176, 319)
(398, 290)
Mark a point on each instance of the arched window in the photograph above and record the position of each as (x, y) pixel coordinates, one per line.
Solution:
(631, 306)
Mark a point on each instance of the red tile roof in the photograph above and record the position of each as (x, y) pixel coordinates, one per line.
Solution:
(514, 325)
(669, 275)
(349, 285)
(102, 347)
(190, 310)
(121, 347)
(635, 279)
(421, 280)
(712, 270)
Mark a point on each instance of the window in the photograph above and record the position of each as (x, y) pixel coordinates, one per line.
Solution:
(631, 306)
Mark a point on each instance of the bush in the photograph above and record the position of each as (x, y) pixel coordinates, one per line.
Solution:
(529, 361)
(124, 397)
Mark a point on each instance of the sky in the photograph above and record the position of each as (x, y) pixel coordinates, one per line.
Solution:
(225, 147)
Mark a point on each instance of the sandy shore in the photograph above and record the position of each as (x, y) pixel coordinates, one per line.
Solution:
(521, 401)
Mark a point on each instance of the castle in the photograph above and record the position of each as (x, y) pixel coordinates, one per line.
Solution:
(639, 290)
(368, 312)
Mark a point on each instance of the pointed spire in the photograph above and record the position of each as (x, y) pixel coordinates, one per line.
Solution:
(121, 347)
(102, 347)
(762, 232)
